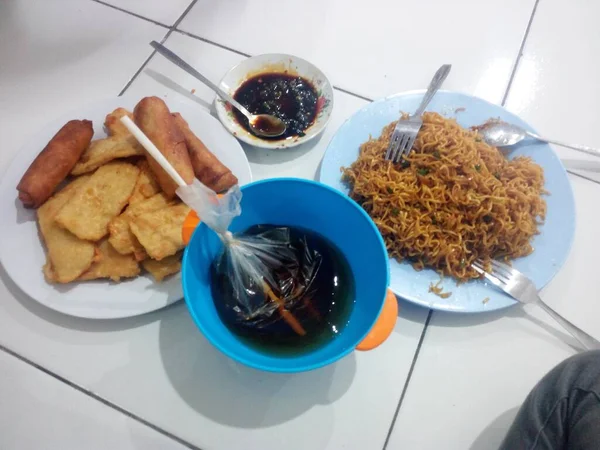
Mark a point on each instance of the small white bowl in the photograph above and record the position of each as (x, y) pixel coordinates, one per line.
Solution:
(275, 63)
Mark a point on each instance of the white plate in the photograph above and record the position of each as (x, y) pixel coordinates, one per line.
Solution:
(22, 253)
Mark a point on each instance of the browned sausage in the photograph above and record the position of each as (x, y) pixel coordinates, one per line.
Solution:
(207, 167)
(55, 162)
(153, 117)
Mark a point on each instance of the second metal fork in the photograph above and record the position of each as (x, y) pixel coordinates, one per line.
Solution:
(521, 288)
(406, 131)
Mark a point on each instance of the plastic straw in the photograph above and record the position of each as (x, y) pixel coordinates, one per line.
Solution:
(151, 148)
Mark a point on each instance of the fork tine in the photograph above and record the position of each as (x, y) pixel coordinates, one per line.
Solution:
(405, 139)
(402, 147)
(396, 152)
(499, 267)
(478, 266)
(410, 144)
(498, 272)
(393, 146)
(497, 263)
(494, 280)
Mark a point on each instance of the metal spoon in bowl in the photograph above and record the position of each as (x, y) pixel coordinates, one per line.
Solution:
(502, 134)
(264, 125)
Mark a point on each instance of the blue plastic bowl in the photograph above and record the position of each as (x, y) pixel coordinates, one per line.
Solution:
(313, 206)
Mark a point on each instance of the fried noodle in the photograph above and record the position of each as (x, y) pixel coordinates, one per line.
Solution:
(453, 200)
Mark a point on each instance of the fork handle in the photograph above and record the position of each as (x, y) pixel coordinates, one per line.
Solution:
(584, 339)
(434, 85)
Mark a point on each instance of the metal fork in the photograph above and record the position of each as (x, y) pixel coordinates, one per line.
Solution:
(521, 288)
(406, 131)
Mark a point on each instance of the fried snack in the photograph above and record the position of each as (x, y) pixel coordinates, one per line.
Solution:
(146, 185)
(113, 125)
(112, 264)
(103, 151)
(207, 167)
(160, 231)
(154, 118)
(120, 144)
(48, 271)
(54, 163)
(163, 268)
(121, 237)
(99, 201)
(68, 256)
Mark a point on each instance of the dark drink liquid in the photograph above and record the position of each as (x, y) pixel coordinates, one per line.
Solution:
(317, 290)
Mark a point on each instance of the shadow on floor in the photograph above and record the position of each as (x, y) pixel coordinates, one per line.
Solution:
(235, 395)
(491, 437)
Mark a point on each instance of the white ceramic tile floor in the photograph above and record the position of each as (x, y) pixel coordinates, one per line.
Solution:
(553, 87)
(472, 374)
(463, 391)
(164, 12)
(40, 412)
(378, 48)
(161, 368)
(59, 54)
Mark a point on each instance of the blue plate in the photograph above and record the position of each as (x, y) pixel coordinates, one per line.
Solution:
(551, 246)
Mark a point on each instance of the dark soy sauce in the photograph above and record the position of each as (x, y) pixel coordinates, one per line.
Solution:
(288, 97)
(322, 310)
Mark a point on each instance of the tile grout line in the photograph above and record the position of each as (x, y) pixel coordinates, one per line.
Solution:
(187, 10)
(98, 398)
(581, 175)
(346, 91)
(238, 52)
(208, 41)
(408, 378)
(162, 41)
(144, 64)
(520, 54)
(514, 71)
(155, 22)
(173, 28)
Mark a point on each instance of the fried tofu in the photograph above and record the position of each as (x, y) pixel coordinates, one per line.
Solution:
(146, 185)
(48, 271)
(121, 237)
(159, 231)
(102, 198)
(111, 264)
(103, 151)
(68, 256)
(163, 268)
(113, 125)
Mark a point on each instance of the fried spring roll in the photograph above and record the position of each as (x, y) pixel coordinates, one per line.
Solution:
(207, 167)
(54, 163)
(152, 115)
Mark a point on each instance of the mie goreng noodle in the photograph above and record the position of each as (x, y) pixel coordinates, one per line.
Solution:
(453, 200)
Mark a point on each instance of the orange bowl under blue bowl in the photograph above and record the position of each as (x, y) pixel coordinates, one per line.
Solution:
(304, 204)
